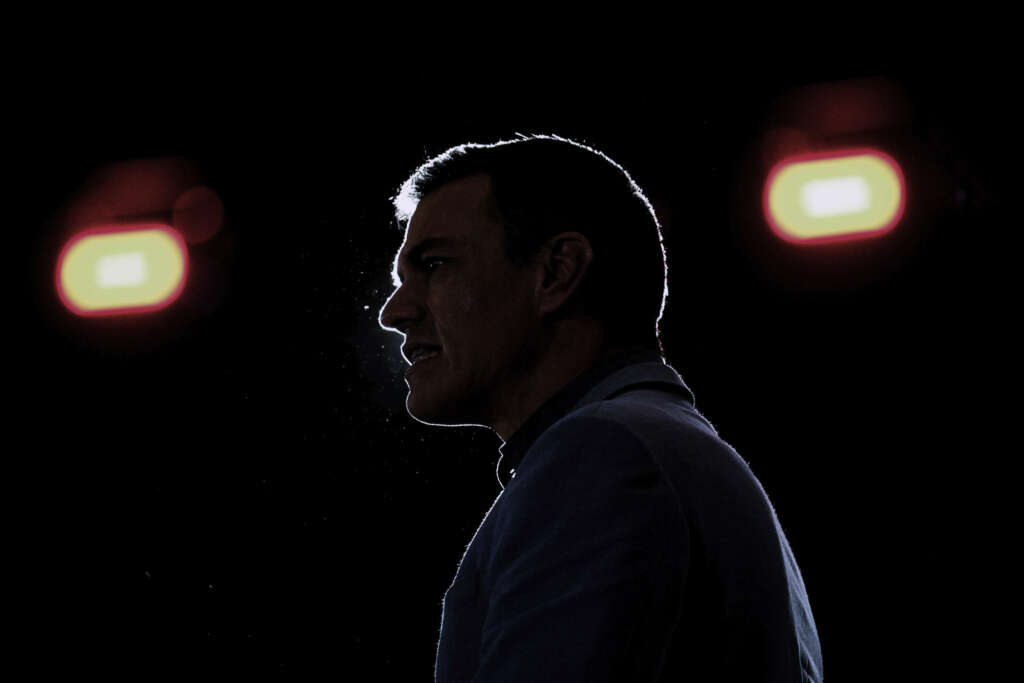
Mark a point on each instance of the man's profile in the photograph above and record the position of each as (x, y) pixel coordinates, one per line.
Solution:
(629, 541)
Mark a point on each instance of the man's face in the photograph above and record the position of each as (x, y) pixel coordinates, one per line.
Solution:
(470, 301)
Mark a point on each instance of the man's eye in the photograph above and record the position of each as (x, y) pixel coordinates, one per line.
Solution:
(428, 261)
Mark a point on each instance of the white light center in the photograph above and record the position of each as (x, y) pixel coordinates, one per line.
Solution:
(121, 270)
(835, 197)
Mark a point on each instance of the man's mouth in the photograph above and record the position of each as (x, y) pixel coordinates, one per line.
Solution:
(421, 358)
(423, 354)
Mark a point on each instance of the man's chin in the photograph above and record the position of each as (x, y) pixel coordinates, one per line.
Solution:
(439, 410)
(430, 411)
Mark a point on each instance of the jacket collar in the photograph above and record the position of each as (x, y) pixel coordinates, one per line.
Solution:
(628, 370)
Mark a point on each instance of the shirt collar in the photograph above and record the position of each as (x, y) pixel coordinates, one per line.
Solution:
(619, 372)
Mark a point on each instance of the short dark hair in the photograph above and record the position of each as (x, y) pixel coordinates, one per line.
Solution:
(545, 184)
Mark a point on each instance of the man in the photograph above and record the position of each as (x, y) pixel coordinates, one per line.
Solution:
(629, 542)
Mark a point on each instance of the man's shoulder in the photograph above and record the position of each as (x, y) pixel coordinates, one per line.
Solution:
(586, 463)
(668, 434)
(618, 433)
(648, 416)
(587, 431)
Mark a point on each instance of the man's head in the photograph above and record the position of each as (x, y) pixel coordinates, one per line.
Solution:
(553, 258)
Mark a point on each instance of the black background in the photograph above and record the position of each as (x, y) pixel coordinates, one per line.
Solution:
(233, 484)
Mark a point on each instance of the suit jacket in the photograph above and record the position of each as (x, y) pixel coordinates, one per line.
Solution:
(629, 542)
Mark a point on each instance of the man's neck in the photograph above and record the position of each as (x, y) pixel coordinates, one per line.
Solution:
(563, 361)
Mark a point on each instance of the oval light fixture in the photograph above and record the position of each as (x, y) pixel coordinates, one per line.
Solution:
(834, 196)
(122, 269)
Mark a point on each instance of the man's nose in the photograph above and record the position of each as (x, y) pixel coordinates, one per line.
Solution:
(397, 313)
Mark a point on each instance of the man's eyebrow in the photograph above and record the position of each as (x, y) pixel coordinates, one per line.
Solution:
(412, 254)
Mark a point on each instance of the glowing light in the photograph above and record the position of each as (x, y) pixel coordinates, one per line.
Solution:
(836, 197)
(833, 196)
(120, 270)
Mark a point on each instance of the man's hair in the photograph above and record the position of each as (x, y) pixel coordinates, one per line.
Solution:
(543, 185)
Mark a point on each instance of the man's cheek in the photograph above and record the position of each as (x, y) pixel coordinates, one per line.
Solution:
(467, 304)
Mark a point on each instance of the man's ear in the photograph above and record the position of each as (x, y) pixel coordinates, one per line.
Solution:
(564, 262)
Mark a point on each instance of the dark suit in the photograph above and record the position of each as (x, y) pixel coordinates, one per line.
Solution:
(629, 543)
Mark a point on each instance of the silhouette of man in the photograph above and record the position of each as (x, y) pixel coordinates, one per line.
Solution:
(629, 542)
